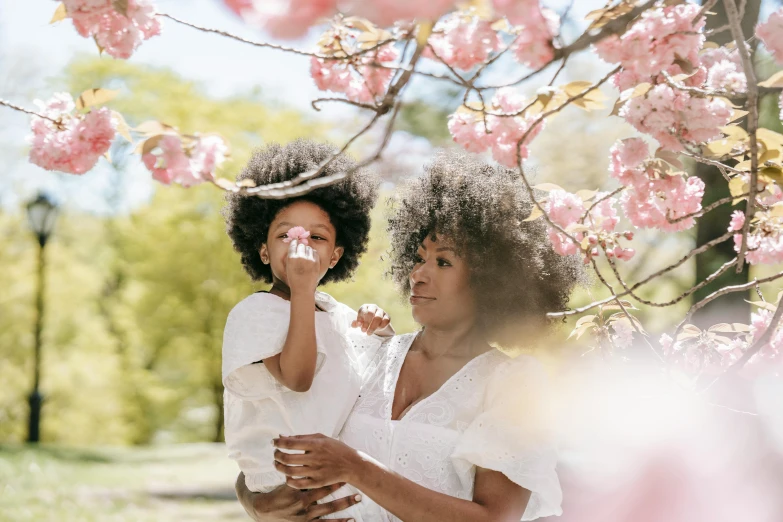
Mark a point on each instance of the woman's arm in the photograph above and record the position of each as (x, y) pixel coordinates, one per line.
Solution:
(286, 504)
(495, 497)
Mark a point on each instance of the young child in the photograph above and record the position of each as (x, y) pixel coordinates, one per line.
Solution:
(293, 356)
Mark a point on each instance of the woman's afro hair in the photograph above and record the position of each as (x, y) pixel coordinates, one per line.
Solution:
(348, 203)
(516, 276)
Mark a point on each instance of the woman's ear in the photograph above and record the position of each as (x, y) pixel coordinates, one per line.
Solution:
(336, 255)
(264, 253)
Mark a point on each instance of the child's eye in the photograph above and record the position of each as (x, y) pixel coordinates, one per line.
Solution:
(443, 262)
(319, 238)
(282, 236)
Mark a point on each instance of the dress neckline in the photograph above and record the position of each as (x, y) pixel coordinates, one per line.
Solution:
(415, 405)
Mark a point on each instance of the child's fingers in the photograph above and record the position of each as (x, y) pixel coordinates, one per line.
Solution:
(375, 322)
(292, 248)
(301, 250)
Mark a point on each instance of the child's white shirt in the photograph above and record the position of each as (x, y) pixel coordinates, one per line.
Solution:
(258, 408)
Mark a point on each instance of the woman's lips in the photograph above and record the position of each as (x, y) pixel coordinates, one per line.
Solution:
(420, 299)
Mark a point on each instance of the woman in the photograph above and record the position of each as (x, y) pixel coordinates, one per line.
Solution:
(448, 427)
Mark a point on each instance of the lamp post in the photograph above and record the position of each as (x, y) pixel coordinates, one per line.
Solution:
(41, 214)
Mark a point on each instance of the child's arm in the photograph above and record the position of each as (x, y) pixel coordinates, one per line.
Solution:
(373, 320)
(294, 367)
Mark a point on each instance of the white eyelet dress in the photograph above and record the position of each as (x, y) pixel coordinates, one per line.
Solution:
(258, 408)
(492, 414)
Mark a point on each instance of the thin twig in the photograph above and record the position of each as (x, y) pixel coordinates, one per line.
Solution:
(27, 111)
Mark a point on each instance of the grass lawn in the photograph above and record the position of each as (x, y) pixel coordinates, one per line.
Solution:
(189, 482)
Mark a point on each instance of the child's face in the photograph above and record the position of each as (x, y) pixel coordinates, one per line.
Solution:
(322, 238)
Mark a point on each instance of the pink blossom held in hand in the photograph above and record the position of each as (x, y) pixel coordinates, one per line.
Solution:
(119, 34)
(670, 115)
(462, 42)
(771, 33)
(662, 37)
(298, 233)
(75, 144)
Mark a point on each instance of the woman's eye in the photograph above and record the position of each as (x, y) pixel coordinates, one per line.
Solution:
(418, 259)
(443, 262)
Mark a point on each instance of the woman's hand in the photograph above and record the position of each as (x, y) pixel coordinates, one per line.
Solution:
(372, 319)
(327, 461)
(291, 505)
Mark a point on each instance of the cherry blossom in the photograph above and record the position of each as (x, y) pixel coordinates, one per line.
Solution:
(724, 69)
(463, 42)
(75, 142)
(771, 33)
(188, 164)
(119, 34)
(533, 45)
(657, 202)
(360, 78)
(765, 239)
(670, 115)
(386, 12)
(661, 38)
(297, 233)
(287, 19)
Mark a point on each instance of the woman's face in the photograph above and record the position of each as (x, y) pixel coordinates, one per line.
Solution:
(322, 238)
(441, 296)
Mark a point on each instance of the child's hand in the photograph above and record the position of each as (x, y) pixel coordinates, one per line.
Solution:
(302, 268)
(371, 319)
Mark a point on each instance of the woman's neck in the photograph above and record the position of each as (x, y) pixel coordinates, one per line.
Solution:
(459, 341)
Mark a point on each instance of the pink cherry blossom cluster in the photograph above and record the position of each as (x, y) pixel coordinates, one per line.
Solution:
(653, 199)
(771, 33)
(292, 18)
(533, 35)
(662, 38)
(462, 41)
(75, 142)
(670, 115)
(386, 12)
(187, 162)
(287, 19)
(360, 69)
(765, 238)
(724, 69)
(119, 34)
(566, 210)
(715, 350)
(500, 130)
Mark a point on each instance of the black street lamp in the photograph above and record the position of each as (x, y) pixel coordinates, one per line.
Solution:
(41, 214)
